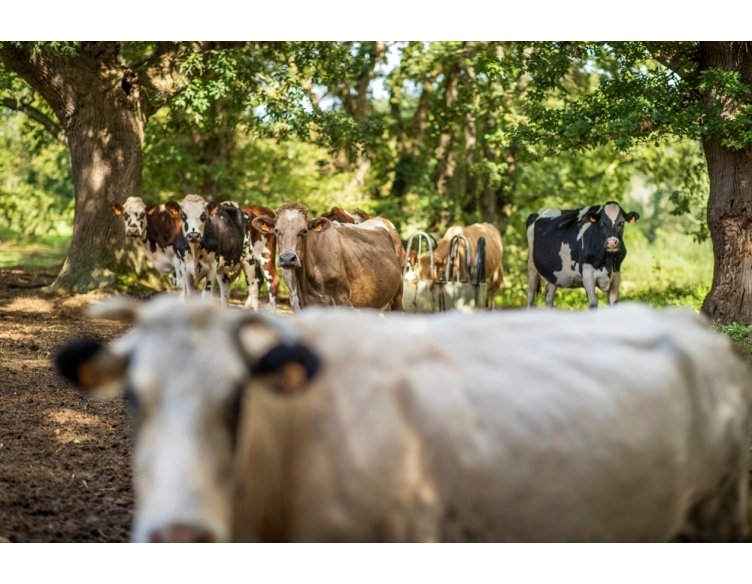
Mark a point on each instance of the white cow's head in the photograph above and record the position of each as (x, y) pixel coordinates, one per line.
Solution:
(134, 212)
(195, 211)
(183, 370)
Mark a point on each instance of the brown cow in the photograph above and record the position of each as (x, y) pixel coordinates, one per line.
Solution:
(339, 214)
(329, 263)
(263, 245)
(494, 255)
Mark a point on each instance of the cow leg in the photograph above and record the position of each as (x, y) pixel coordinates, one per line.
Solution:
(550, 293)
(224, 289)
(588, 280)
(249, 271)
(533, 284)
(209, 286)
(613, 288)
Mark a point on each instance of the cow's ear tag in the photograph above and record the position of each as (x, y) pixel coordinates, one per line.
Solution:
(294, 365)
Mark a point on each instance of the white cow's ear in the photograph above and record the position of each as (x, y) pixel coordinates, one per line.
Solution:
(92, 367)
(116, 308)
(284, 365)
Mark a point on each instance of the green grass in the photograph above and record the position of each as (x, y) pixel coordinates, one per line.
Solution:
(40, 252)
(739, 335)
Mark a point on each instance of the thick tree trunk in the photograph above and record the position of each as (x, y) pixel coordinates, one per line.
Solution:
(106, 146)
(730, 201)
(97, 103)
(730, 224)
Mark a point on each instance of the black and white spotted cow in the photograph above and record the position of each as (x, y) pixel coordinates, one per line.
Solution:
(577, 247)
(157, 228)
(215, 247)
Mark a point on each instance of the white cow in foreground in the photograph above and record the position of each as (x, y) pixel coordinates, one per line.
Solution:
(628, 424)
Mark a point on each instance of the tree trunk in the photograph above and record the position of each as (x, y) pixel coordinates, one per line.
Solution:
(730, 224)
(730, 201)
(97, 103)
(106, 146)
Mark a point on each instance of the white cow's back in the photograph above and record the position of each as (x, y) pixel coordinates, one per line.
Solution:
(524, 426)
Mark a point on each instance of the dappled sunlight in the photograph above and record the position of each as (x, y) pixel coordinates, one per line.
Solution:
(73, 425)
(29, 305)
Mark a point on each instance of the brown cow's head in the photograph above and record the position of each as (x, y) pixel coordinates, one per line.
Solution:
(185, 369)
(134, 212)
(291, 226)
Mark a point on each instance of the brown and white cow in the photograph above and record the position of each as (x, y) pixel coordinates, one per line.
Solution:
(264, 246)
(631, 424)
(494, 255)
(329, 263)
(157, 228)
(342, 216)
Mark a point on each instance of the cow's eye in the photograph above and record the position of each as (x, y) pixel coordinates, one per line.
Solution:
(140, 215)
(302, 232)
(125, 215)
(184, 217)
(203, 217)
(277, 232)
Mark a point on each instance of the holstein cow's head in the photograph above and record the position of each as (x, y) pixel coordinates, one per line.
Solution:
(195, 211)
(609, 220)
(134, 212)
(291, 225)
(184, 370)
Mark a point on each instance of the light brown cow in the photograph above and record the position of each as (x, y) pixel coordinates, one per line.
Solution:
(494, 255)
(628, 424)
(330, 263)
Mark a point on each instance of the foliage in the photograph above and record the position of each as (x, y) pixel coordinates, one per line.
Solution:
(740, 335)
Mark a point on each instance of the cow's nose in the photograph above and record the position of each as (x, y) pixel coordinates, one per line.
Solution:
(289, 260)
(612, 243)
(179, 533)
(192, 236)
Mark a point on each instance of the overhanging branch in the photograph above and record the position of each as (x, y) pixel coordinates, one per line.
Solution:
(54, 129)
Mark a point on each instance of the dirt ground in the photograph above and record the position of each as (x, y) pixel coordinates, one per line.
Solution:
(65, 471)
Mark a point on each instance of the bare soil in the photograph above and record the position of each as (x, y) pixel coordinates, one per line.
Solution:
(65, 472)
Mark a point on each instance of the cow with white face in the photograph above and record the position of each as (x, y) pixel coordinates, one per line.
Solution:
(157, 228)
(578, 247)
(216, 247)
(340, 425)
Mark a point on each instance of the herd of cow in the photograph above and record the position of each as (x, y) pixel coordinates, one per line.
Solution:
(626, 424)
(351, 259)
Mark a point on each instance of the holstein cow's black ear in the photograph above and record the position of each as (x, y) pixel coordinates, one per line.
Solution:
(90, 365)
(116, 208)
(213, 207)
(593, 217)
(632, 217)
(264, 224)
(319, 224)
(294, 364)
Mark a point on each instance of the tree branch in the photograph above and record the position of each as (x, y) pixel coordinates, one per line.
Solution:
(54, 129)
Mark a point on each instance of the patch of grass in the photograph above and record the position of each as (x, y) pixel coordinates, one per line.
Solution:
(40, 252)
(739, 335)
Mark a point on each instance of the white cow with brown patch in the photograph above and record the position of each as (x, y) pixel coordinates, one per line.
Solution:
(630, 424)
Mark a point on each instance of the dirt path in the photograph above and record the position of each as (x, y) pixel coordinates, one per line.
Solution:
(65, 471)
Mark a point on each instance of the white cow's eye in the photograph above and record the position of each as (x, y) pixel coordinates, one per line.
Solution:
(125, 215)
(203, 217)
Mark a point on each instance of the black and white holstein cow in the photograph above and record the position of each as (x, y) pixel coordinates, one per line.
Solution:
(216, 247)
(157, 228)
(340, 425)
(578, 247)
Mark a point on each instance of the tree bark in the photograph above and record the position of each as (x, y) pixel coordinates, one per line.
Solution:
(730, 200)
(730, 225)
